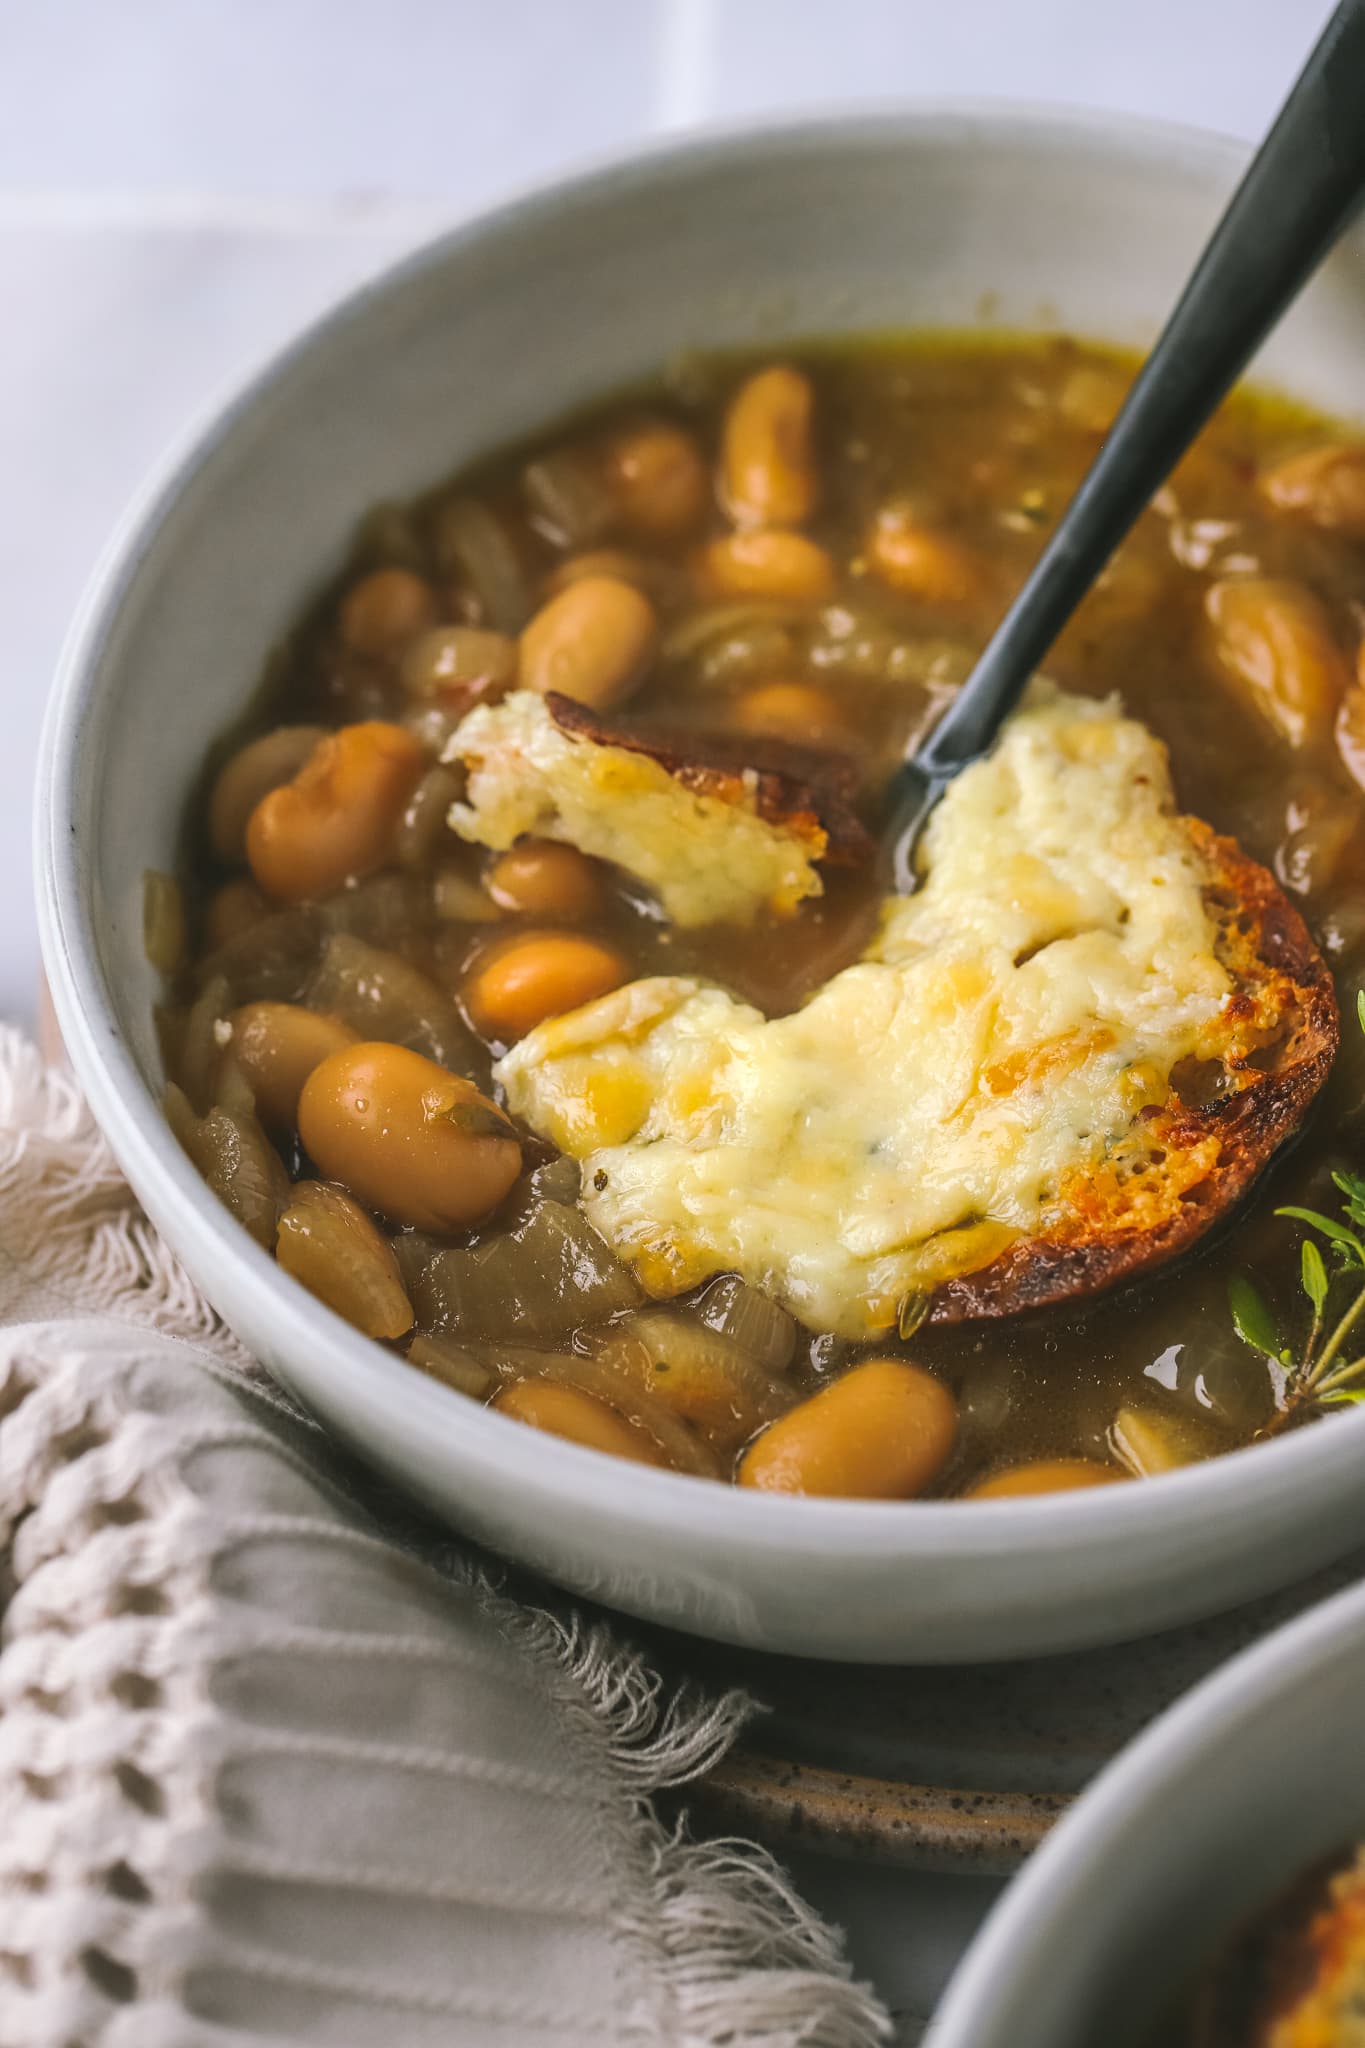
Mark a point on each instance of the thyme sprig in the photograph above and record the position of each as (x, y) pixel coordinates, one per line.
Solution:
(1327, 1370)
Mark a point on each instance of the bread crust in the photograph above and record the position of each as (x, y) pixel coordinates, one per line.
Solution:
(797, 789)
(1189, 1163)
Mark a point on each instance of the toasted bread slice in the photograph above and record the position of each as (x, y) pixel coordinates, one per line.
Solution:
(1054, 1067)
(719, 831)
(1193, 1156)
(792, 788)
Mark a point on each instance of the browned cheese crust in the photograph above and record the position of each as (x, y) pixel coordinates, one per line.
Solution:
(1188, 1161)
(798, 789)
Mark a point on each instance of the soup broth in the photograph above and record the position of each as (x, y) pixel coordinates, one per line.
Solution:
(873, 514)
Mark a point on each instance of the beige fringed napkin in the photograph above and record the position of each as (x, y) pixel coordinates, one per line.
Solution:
(271, 1774)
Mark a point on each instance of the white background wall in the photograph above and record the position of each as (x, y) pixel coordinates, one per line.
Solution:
(453, 99)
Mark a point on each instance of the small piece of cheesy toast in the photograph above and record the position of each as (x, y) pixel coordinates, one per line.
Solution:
(718, 837)
(1293, 1976)
(1056, 1064)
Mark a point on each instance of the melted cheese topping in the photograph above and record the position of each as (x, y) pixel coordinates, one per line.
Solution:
(709, 860)
(922, 1110)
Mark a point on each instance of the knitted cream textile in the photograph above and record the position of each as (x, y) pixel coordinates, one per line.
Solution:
(270, 1776)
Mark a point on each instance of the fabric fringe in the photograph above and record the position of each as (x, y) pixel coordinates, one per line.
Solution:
(87, 1238)
(726, 1954)
(731, 1954)
(615, 1699)
(746, 1960)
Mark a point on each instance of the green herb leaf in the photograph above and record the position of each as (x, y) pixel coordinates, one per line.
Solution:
(1251, 1317)
(1360, 1006)
(1330, 1228)
(1352, 1185)
(1343, 1397)
(1314, 1275)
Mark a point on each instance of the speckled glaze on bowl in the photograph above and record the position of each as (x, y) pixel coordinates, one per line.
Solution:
(935, 216)
(963, 1768)
(1218, 1806)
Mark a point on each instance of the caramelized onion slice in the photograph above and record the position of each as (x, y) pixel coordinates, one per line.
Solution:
(414, 1251)
(698, 1373)
(540, 1279)
(452, 1365)
(379, 906)
(681, 1446)
(237, 1160)
(327, 1242)
(750, 1319)
(201, 1045)
(163, 922)
(474, 546)
(383, 996)
(1149, 1442)
(724, 643)
(569, 497)
(458, 899)
(268, 962)
(692, 633)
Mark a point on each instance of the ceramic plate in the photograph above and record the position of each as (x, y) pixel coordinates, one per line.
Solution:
(958, 1769)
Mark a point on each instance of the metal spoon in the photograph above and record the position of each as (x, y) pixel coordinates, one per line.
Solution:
(1304, 184)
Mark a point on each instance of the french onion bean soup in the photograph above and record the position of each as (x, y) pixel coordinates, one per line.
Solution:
(536, 996)
(1292, 1977)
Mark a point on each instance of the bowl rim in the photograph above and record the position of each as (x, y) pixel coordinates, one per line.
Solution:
(1050, 1892)
(565, 1476)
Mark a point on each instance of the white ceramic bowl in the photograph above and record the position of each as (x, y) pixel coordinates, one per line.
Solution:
(942, 216)
(1222, 1802)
